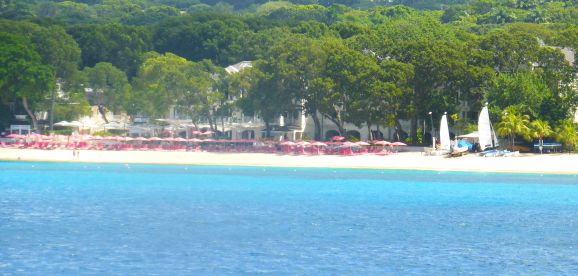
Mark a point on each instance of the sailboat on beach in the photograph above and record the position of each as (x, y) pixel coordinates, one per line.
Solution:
(487, 137)
(446, 144)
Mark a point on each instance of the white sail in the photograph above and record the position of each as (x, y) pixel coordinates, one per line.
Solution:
(444, 134)
(485, 129)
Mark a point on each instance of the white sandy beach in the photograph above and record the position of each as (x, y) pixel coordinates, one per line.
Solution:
(530, 163)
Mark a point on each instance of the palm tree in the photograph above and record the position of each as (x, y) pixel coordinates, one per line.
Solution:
(539, 130)
(566, 133)
(513, 125)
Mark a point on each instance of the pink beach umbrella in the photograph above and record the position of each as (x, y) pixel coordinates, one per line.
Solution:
(337, 138)
(303, 144)
(318, 144)
(398, 144)
(381, 143)
(179, 139)
(362, 143)
(155, 139)
(195, 140)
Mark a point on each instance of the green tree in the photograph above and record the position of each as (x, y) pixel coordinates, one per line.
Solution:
(60, 51)
(524, 91)
(261, 94)
(169, 81)
(123, 46)
(67, 11)
(508, 51)
(213, 37)
(513, 125)
(540, 130)
(22, 74)
(566, 134)
(297, 64)
(109, 88)
(159, 82)
(438, 58)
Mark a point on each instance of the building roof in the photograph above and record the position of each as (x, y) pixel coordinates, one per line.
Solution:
(236, 68)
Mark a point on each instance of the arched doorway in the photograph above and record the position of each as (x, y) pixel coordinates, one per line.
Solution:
(353, 134)
(331, 133)
(376, 135)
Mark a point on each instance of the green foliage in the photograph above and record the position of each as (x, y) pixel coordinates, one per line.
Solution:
(350, 61)
(566, 134)
(524, 91)
(123, 46)
(167, 81)
(514, 125)
(539, 130)
(109, 88)
(23, 77)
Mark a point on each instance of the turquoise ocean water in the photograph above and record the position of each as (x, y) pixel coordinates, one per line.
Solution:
(86, 219)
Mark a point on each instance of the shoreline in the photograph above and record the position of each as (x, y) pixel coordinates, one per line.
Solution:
(528, 163)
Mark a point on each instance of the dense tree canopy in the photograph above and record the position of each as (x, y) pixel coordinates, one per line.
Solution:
(365, 62)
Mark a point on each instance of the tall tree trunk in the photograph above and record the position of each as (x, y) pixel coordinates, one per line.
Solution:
(267, 129)
(369, 134)
(338, 124)
(102, 112)
(194, 120)
(30, 113)
(52, 100)
(398, 129)
(223, 124)
(317, 124)
(211, 121)
(413, 130)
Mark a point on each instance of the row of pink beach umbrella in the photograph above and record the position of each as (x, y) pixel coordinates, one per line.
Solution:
(346, 144)
(338, 140)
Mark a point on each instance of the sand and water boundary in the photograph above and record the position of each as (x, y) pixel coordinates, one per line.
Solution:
(525, 163)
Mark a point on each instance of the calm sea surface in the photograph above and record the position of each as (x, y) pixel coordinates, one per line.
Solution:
(77, 219)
